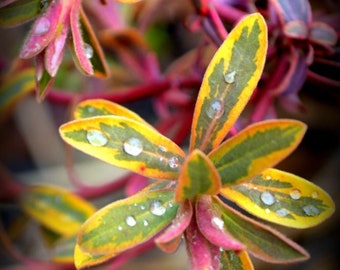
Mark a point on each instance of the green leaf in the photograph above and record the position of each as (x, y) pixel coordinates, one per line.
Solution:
(126, 223)
(282, 198)
(198, 176)
(56, 208)
(19, 12)
(231, 260)
(258, 147)
(228, 83)
(125, 143)
(14, 87)
(63, 251)
(262, 241)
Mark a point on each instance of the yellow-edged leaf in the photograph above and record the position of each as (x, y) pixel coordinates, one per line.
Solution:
(56, 208)
(199, 176)
(231, 260)
(282, 198)
(125, 143)
(63, 251)
(229, 81)
(129, 222)
(256, 148)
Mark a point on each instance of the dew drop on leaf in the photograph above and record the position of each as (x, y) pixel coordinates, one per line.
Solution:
(217, 223)
(96, 137)
(88, 50)
(130, 221)
(267, 210)
(282, 212)
(162, 148)
(311, 210)
(120, 228)
(173, 162)
(133, 147)
(42, 26)
(267, 198)
(314, 194)
(145, 223)
(215, 109)
(230, 77)
(156, 208)
(295, 194)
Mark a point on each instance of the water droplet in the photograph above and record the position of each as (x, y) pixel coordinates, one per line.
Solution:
(311, 210)
(230, 77)
(267, 210)
(145, 223)
(170, 204)
(142, 207)
(162, 148)
(268, 177)
(218, 223)
(314, 194)
(267, 198)
(133, 147)
(130, 221)
(173, 162)
(282, 212)
(96, 137)
(295, 194)
(88, 50)
(42, 26)
(215, 109)
(157, 209)
(120, 228)
(135, 204)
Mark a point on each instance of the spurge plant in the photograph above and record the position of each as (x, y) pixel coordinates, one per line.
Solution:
(200, 195)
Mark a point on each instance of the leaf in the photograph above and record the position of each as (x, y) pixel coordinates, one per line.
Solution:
(126, 223)
(125, 143)
(282, 198)
(198, 176)
(63, 251)
(83, 259)
(228, 83)
(231, 260)
(43, 79)
(293, 10)
(170, 239)
(202, 254)
(19, 12)
(100, 107)
(296, 29)
(56, 208)
(261, 241)
(15, 86)
(256, 148)
(212, 226)
(322, 34)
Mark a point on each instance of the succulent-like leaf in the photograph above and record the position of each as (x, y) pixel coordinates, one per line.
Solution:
(262, 241)
(14, 88)
(322, 34)
(229, 81)
(100, 107)
(296, 29)
(126, 223)
(199, 176)
(212, 226)
(83, 259)
(63, 251)
(19, 12)
(231, 260)
(43, 79)
(56, 208)
(170, 239)
(202, 254)
(125, 143)
(282, 198)
(256, 148)
(293, 10)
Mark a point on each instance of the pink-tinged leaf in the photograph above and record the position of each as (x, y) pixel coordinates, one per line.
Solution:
(322, 34)
(55, 50)
(82, 51)
(228, 82)
(199, 176)
(125, 143)
(289, 10)
(202, 254)
(135, 184)
(260, 240)
(212, 226)
(296, 30)
(169, 240)
(43, 79)
(43, 31)
(231, 260)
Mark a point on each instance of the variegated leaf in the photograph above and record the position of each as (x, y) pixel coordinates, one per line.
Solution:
(231, 260)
